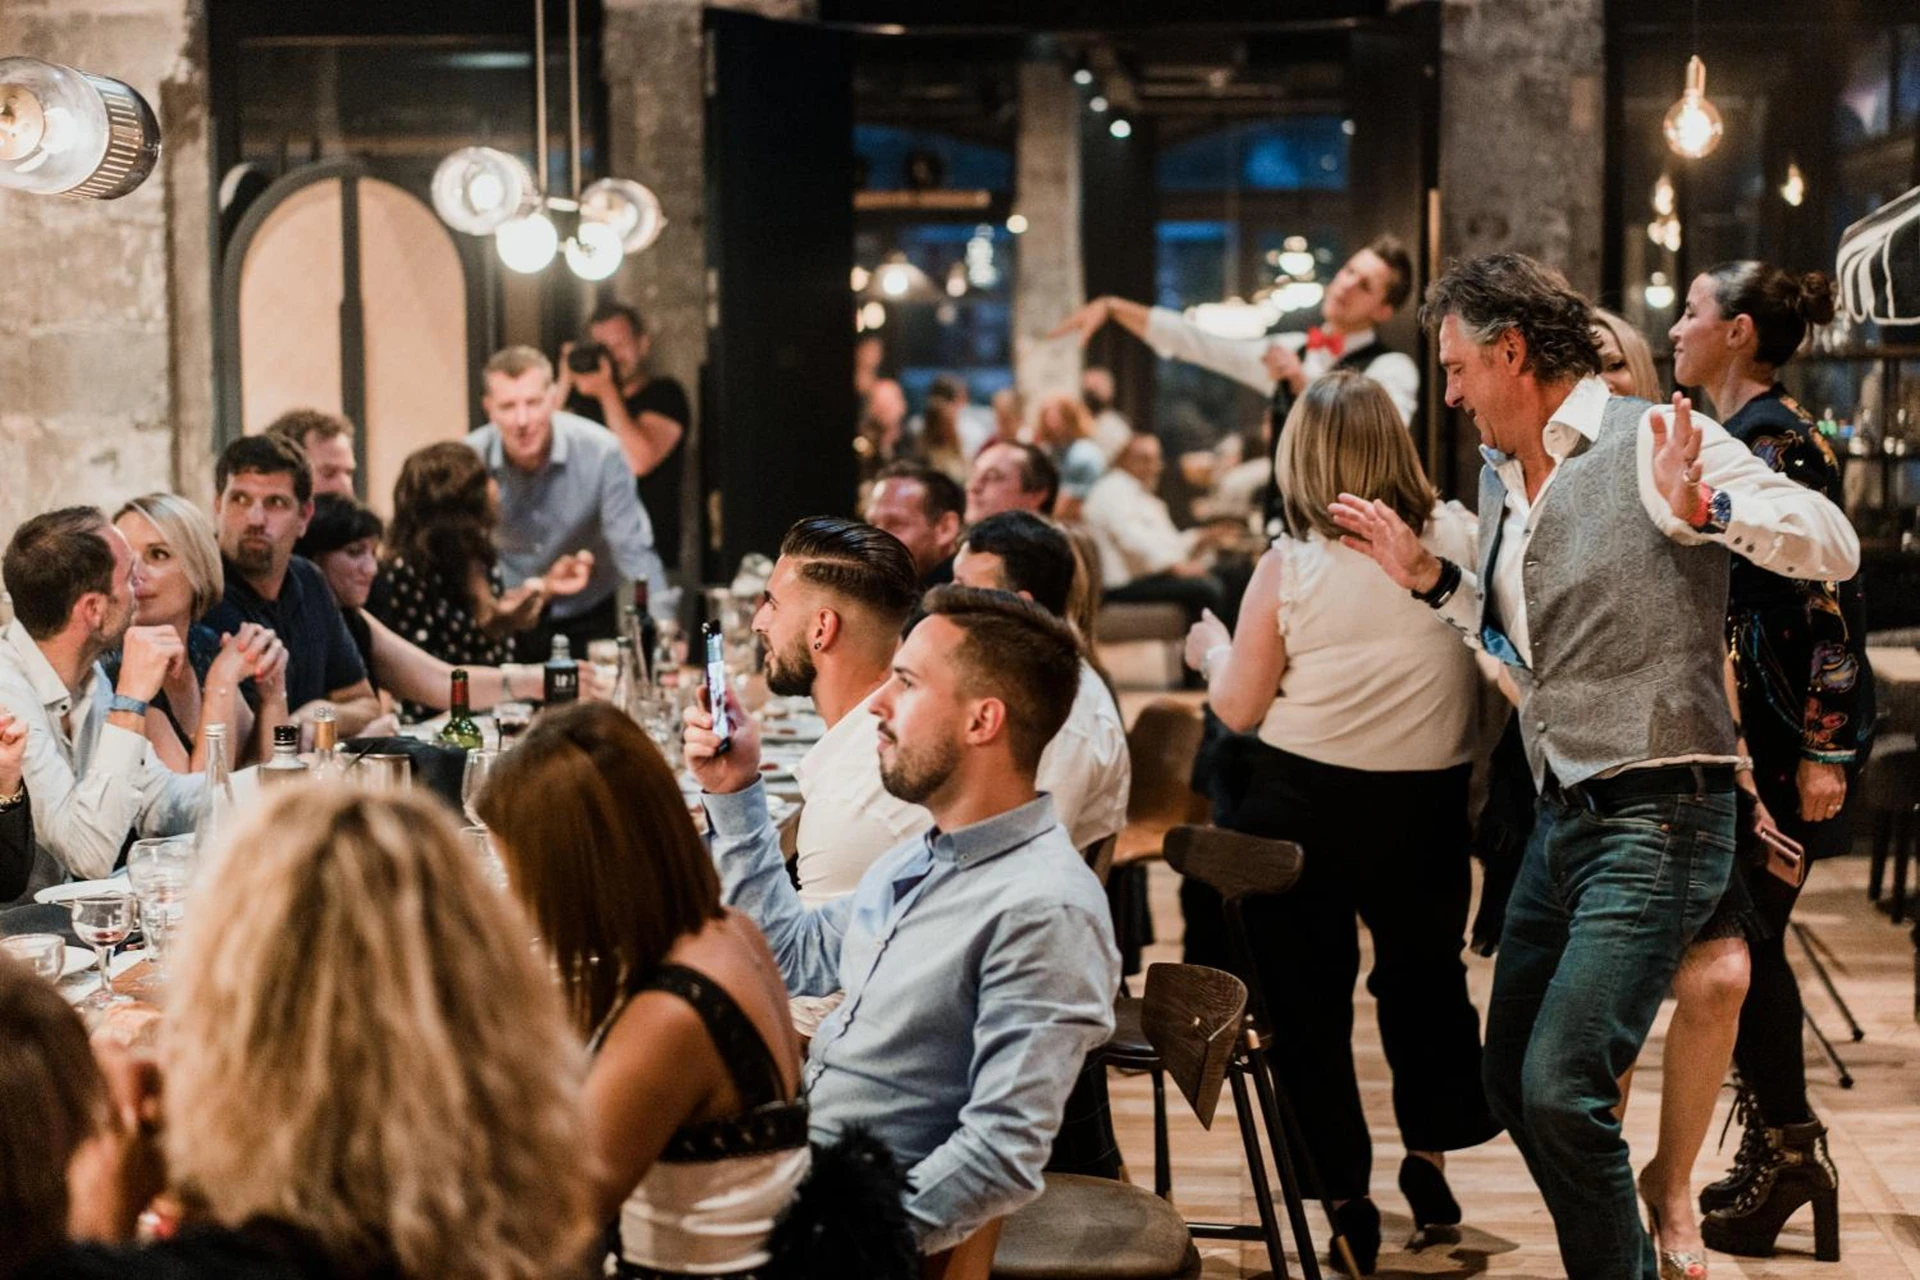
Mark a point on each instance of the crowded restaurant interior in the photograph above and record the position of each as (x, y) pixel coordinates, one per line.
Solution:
(1060, 640)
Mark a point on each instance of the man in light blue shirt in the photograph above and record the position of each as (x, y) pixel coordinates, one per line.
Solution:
(564, 487)
(978, 958)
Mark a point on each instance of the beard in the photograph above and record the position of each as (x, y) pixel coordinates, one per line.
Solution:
(252, 557)
(790, 674)
(914, 775)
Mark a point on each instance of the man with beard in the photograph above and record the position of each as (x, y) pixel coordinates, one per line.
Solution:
(830, 622)
(978, 957)
(86, 762)
(265, 498)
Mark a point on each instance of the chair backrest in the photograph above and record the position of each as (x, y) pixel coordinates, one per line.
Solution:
(1191, 1016)
(1235, 864)
(1161, 746)
(1099, 856)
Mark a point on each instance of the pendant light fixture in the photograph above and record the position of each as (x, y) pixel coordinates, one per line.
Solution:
(485, 191)
(67, 133)
(1693, 125)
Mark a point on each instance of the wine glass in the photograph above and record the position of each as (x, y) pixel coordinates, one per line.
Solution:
(44, 953)
(160, 871)
(103, 922)
(473, 780)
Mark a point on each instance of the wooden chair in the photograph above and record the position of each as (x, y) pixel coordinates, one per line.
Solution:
(1890, 788)
(1161, 748)
(1238, 867)
(1094, 1228)
(1099, 856)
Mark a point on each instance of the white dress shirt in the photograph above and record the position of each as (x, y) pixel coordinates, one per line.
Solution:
(91, 782)
(1174, 337)
(1133, 529)
(1781, 526)
(1086, 767)
(847, 818)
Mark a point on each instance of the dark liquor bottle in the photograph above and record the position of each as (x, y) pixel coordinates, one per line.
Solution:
(461, 731)
(644, 630)
(563, 674)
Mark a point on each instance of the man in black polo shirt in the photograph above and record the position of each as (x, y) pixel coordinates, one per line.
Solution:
(265, 500)
(647, 414)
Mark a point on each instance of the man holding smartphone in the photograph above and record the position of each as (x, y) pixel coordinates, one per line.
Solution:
(978, 957)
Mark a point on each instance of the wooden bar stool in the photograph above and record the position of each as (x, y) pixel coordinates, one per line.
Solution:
(1097, 1229)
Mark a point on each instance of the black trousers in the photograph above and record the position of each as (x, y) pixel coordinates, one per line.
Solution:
(1191, 594)
(1389, 849)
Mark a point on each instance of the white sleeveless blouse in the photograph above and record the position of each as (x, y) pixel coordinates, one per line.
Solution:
(1374, 679)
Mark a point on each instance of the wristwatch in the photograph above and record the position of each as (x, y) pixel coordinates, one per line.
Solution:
(121, 702)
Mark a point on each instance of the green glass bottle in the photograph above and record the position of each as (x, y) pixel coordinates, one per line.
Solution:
(461, 731)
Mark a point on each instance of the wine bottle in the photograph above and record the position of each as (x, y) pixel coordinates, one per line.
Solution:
(562, 675)
(286, 765)
(628, 682)
(460, 730)
(645, 632)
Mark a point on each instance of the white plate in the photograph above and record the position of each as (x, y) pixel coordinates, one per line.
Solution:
(77, 960)
(794, 729)
(83, 889)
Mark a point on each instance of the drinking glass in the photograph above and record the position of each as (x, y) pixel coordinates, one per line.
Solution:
(161, 870)
(473, 779)
(511, 719)
(103, 923)
(492, 869)
(44, 953)
(385, 770)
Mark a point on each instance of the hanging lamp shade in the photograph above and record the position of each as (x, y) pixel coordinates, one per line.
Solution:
(628, 207)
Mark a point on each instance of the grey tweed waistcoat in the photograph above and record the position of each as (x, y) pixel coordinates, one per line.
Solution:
(1627, 627)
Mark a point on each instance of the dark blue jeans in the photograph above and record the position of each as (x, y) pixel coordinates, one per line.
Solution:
(1606, 902)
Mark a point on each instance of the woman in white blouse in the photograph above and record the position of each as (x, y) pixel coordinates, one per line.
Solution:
(1366, 707)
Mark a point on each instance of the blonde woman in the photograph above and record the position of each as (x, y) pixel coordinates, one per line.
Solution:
(367, 1072)
(179, 577)
(1626, 361)
(1366, 711)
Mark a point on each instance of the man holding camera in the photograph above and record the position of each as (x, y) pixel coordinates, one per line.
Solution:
(605, 380)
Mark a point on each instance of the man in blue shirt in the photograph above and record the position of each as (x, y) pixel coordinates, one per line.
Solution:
(564, 487)
(978, 958)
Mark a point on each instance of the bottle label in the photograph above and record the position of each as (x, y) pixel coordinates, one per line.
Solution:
(562, 682)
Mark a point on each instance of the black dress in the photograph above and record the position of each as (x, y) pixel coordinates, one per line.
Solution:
(423, 608)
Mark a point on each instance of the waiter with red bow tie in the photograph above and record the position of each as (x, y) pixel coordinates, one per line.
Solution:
(1372, 285)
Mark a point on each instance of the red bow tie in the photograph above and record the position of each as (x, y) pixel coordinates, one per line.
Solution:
(1319, 339)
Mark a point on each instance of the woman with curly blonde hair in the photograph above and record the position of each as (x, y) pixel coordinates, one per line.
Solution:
(367, 1072)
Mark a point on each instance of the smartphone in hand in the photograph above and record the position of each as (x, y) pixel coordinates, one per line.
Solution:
(717, 685)
(1786, 858)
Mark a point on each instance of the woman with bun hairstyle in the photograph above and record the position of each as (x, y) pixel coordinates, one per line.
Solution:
(1805, 695)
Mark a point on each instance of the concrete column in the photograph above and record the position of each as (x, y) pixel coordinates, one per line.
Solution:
(654, 64)
(105, 337)
(1047, 194)
(1522, 155)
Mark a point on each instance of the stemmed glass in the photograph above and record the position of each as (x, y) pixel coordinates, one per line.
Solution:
(492, 868)
(103, 923)
(161, 870)
(473, 779)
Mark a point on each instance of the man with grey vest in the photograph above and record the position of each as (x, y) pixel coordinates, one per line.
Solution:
(1601, 582)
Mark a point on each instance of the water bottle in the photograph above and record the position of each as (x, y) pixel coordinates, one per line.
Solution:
(217, 806)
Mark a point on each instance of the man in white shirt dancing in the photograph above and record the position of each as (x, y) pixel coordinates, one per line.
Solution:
(1600, 580)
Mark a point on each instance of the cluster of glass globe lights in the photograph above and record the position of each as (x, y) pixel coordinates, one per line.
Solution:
(486, 192)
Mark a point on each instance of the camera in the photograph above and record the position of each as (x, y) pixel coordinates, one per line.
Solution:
(586, 356)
